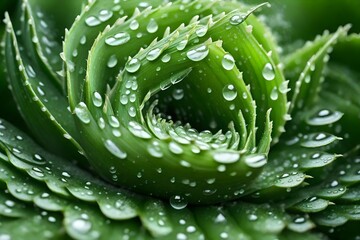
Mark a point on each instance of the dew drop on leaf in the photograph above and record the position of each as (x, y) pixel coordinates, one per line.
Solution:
(82, 113)
(112, 61)
(152, 27)
(97, 99)
(226, 157)
(178, 202)
(268, 72)
(237, 19)
(274, 95)
(118, 39)
(114, 149)
(228, 62)
(133, 65)
(153, 54)
(178, 94)
(92, 21)
(255, 160)
(229, 92)
(134, 25)
(81, 225)
(198, 53)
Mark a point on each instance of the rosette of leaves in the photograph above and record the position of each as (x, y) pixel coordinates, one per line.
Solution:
(175, 120)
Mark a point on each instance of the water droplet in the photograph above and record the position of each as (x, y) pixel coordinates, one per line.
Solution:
(40, 91)
(112, 62)
(81, 225)
(268, 72)
(38, 172)
(325, 117)
(166, 58)
(82, 113)
(105, 15)
(152, 27)
(155, 150)
(124, 99)
(114, 149)
(114, 122)
(274, 95)
(133, 65)
(200, 32)
(83, 40)
(132, 111)
(178, 202)
(92, 21)
(153, 54)
(118, 39)
(101, 123)
(5, 237)
(253, 217)
(182, 44)
(237, 19)
(226, 157)
(228, 62)
(97, 99)
(175, 148)
(134, 25)
(255, 160)
(138, 130)
(178, 94)
(30, 71)
(198, 53)
(229, 92)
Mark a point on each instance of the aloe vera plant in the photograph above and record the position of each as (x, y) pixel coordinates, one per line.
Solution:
(205, 119)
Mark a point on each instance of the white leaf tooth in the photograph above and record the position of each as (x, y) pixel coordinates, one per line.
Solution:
(194, 19)
(167, 32)
(120, 20)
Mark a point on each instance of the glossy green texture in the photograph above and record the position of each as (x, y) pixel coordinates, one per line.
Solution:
(206, 119)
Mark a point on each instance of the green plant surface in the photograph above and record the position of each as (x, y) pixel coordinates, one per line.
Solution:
(205, 119)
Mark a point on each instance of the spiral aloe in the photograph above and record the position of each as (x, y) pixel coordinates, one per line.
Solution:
(175, 120)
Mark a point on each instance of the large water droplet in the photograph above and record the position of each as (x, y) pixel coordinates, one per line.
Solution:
(134, 25)
(166, 58)
(114, 149)
(105, 15)
(138, 130)
(112, 61)
(82, 113)
(118, 39)
(97, 99)
(92, 21)
(114, 122)
(226, 157)
(133, 65)
(268, 72)
(155, 150)
(229, 92)
(198, 53)
(237, 19)
(178, 202)
(182, 44)
(81, 225)
(175, 148)
(178, 94)
(274, 95)
(255, 160)
(153, 54)
(201, 31)
(228, 62)
(152, 27)
(325, 117)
